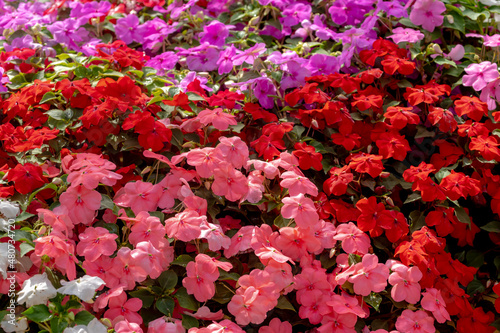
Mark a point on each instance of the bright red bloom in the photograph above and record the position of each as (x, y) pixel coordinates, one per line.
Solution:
(473, 107)
(308, 157)
(368, 98)
(478, 321)
(225, 98)
(420, 172)
(26, 178)
(258, 112)
(338, 182)
(428, 93)
(181, 99)
(401, 116)
(268, 146)
(443, 118)
(487, 146)
(403, 66)
(393, 145)
(345, 82)
(366, 163)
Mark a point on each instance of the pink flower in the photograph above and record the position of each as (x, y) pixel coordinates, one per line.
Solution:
(199, 283)
(406, 35)
(152, 260)
(139, 196)
(276, 326)
(128, 309)
(127, 269)
(297, 184)
(216, 238)
(225, 326)
(147, 228)
(123, 326)
(415, 322)
(301, 209)
(248, 307)
(405, 283)
(82, 204)
(184, 226)
(204, 313)
(434, 302)
(314, 306)
(338, 323)
(296, 242)
(353, 239)
(234, 150)
(479, 75)
(427, 14)
(369, 276)
(95, 242)
(164, 325)
(346, 304)
(229, 182)
(218, 118)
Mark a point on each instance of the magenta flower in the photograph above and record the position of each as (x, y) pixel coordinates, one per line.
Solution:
(249, 55)
(427, 13)
(406, 35)
(479, 75)
(215, 33)
(415, 322)
(126, 29)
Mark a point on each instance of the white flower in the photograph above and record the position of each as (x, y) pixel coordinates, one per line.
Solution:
(13, 325)
(37, 290)
(4, 260)
(94, 326)
(9, 209)
(84, 287)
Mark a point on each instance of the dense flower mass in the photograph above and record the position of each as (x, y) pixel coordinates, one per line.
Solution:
(249, 166)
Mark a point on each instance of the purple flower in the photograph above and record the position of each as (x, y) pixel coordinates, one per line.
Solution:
(323, 64)
(67, 32)
(154, 33)
(279, 58)
(84, 12)
(263, 88)
(272, 31)
(4, 79)
(295, 13)
(225, 61)
(393, 8)
(204, 60)
(215, 33)
(406, 35)
(427, 13)
(294, 75)
(249, 55)
(126, 29)
(177, 7)
(163, 62)
(479, 75)
(322, 31)
(190, 78)
(349, 12)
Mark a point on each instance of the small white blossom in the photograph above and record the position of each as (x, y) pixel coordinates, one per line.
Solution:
(37, 290)
(8, 209)
(14, 325)
(94, 326)
(4, 260)
(84, 287)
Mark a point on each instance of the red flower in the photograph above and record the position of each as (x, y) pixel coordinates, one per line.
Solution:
(473, 107)
(401, 116)
(345, 82)
(443, 118)
(477, 321)
(428, 93)
(308, 157)
(258, 112)
(487, 146)
(182, 100)
(429, 190)
(338, 182)
(268, 146)
(366, 163)
(393, 145)
(26, 178)
(403, 66)
(226, 98)
(368, 98)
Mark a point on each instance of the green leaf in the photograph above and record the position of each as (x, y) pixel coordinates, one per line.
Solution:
(106, 202)
(475, 287)
(58, 324)
(443, 61)
(454, 19)
(284, 304)
(223, 275)
(462, 216)
(38, 313)
(223, 293)
(83, 317)
(168, 280)
(192, 96)
(166, 305)
(417, 220)
(145, 296)
(182, 260)
(474, 15)
(24, 216)
(185, 300)
(17, 82)
(25, 248)
(412, 197)
(189, 321)
(475, 258)
(49, 96)
(374, 300)
(81, 71)
(493, 226)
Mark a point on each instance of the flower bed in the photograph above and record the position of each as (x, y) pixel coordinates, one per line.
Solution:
(249, 166)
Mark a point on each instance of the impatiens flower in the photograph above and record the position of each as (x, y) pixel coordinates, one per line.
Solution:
(229, 182)
(434, 302)
(479, 75)
(184, 226)
(370, 276)
(139, 196)
(297, 184)
(415, 322)
(301, 209)
(95, 242)
(249, 55)
(405, 283)
(406, 35)
(94, 326)
(83, 288)
(276, 326)
(120, 308)
(19, 324)
(248, 306)
(36, 290)
(167, 325)
(427, 13)
(353, 239)
(219, 119)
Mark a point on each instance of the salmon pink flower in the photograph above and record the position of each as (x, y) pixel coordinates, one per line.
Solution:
(405, 283)
(353, 239)
(185, 226)
(248, 307)
(205, 160)
(234, 150)
(415, 322)
(147, 229)
(276, 326)
(82, 204)
(229, 182)
(297, 184)
(218, 118)
(120, 307)
(434, 302)
(369, 276)
(314, 306)
(96, 242)
(199, 283)
(139, 196)
(301, 209)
